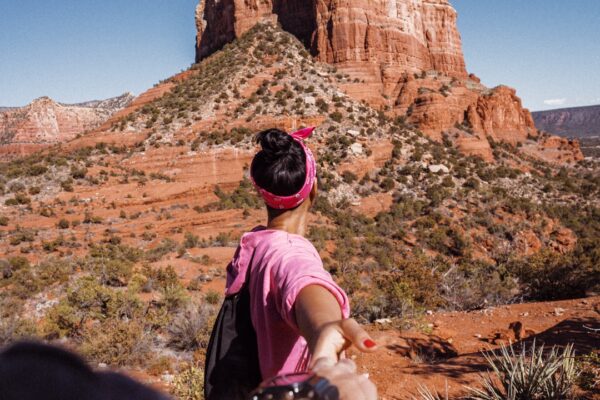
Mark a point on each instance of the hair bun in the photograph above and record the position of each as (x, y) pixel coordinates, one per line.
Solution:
(275, 142)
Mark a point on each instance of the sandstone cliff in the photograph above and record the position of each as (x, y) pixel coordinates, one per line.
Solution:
(45, 122)
(383, 37)
(399, 55)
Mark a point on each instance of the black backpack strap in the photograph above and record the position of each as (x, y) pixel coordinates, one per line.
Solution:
(232, 368)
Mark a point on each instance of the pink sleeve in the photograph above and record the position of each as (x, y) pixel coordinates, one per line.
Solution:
(298, 271)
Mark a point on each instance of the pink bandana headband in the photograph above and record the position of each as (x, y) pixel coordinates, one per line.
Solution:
(289, 202)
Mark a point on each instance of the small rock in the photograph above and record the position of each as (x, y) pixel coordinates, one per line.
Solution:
(559, 311)
(430, 326)
(167, 378)
(438, 167)
(383, 321)
(102, 365)
(356, 148)
(310, 100)
(478, 335)
(429, 312)
(524, 314)
(353, 132)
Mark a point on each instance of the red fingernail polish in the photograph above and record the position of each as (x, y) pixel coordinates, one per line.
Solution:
(369, 343)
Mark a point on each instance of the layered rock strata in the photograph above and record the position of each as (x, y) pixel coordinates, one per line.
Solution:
(380, 36)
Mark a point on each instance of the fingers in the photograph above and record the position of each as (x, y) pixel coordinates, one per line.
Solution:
(351, 386)
(357, 335)
(330, 343)
(325, 367)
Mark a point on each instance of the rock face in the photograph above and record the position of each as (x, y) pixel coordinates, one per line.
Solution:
(383, 37)
(45, 122)
(579, 122)
(404, 56)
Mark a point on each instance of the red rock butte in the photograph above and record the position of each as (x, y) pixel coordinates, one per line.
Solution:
(404, 56)
(388, 35)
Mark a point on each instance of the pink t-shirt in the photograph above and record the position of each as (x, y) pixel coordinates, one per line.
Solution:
(282, 266)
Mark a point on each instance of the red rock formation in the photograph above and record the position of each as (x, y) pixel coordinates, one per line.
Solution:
(405, 55)
(385, 36)
(45, 122)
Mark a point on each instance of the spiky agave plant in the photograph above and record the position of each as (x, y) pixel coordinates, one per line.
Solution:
(426, 394)
(531, 375)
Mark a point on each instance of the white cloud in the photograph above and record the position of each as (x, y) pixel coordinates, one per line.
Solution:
(555, 102)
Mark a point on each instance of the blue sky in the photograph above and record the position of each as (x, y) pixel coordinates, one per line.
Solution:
(78, 50)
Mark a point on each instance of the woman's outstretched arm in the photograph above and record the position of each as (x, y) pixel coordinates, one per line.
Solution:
(319, 318)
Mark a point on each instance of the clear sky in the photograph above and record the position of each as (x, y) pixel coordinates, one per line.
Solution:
(77, 50)
(549, 50)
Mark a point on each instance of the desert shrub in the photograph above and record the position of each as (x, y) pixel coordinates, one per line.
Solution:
(53, 270)
(4, 220)
(62, 320)
(349, 177)
(63, 224)
(336, 116)
(78, 172)
(532, 374)
(173, 296)
(112, 263)
(86, 294)
(15, 328)
(25, 283)
(212, 297)
(190, 328)
(244, 196)
(589, 372)
(118, 343)
(472, 284)
(548, 275)
(19, 199)
(67, 185)
(190, 240)
(165, 247)
(189, 384)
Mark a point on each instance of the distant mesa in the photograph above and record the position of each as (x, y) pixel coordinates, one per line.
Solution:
(574, 122)
(402, 56)
(45, 122)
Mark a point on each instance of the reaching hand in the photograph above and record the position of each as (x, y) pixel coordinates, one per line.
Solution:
(335, 337)
(351, 386)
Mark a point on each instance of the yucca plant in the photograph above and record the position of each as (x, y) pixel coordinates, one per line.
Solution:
(529, 375)
(426, 394)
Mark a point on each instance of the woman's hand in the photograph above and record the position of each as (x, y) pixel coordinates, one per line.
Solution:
(335, 337)
(351, 386)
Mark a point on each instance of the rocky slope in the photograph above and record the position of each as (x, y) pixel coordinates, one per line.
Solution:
(576, 122)
(45, 122)
(399, 55)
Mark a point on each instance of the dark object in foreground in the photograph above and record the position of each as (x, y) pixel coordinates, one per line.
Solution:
(232, 369)
(33, 371)
(302, 386)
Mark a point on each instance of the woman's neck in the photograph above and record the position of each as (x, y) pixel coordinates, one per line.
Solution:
(291, 221)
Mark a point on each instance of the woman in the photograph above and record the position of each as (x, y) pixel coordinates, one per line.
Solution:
(298, 312)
